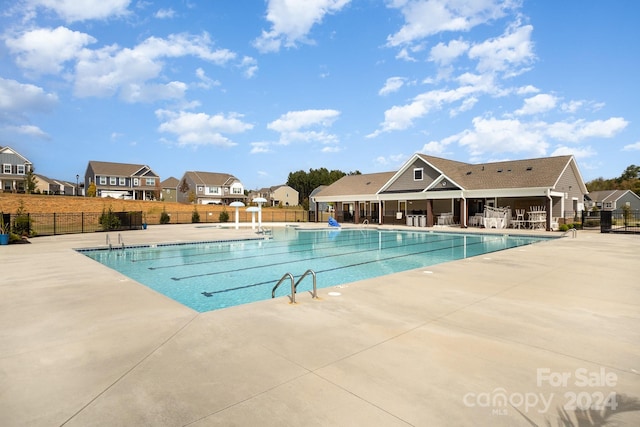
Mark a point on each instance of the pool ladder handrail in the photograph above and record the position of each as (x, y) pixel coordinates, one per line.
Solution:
(573, 231)
(120, 242)
(294, 286)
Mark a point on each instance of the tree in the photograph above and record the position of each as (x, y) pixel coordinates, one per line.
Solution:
(304, 183)
(30, 181)
(92, 191)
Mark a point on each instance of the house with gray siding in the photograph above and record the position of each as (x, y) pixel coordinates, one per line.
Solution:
(15, 168)
(210, 188)
(429, 186)
(611, 200)
(122, 180)
(169, 189)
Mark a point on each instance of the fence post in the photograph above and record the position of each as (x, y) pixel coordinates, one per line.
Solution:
(54, 223)
(82, 222)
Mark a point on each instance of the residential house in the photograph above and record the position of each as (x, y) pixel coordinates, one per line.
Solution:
(611, 200)
(169, 189)
(45, 185)
(122, 180)
(14, 170)
(431, 186)
(209, 188)
(278, 195)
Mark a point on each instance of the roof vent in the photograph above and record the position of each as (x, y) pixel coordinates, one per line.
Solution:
(469, 173)
(500, 170)
(368, 183)
(530, 168)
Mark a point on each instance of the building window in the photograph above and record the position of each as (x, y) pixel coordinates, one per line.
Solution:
(20, 169)
(213, 190)
(151, 182)
(103, 180)
(608, 205)
(417, 174)
(238, 190)
(112, 180)
(6, 168)
(122, 181)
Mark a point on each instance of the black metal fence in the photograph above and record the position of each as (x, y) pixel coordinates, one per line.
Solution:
(620, 221)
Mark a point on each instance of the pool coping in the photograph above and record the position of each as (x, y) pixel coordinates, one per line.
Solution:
(82, 345)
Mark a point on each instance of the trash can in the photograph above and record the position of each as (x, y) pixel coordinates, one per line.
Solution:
(410, 220)
(423, 220)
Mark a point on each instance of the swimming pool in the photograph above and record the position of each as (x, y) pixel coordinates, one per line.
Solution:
(212, 275)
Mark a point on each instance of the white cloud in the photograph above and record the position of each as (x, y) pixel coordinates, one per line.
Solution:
(526, 90)
(537, 104)
(510, 53)
(45, 50)
(393, 84)
(491, 137)
(402, 117)
(580, 129)
(250, 66)
(632, 147)
(19, 98)
(495, 136)
(29, 130)
(293, 126)
(165, 13)
(111, 70)
(200, 128)
(445, 54)
(75, 10)
(292, 20)
(260, 148)
(425, 18)
(579, 153)
(205, 81)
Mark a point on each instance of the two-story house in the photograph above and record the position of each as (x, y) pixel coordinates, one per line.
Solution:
(14, 170)
(46, 185)
(278, 195)
(122, 180)
(169, 189)
(210, 188)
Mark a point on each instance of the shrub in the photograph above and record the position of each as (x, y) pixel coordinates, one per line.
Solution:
(564, 227)
(164, 217)
(195, 216)
(109, 220)
(224, 216)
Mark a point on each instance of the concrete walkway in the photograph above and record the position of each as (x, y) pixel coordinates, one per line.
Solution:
(496, 340)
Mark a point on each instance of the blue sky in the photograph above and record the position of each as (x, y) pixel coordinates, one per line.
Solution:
(259, 89)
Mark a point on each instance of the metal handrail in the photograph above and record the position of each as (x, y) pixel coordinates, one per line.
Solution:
(108, 242)
(120, 241)
(573, 231)
(293, 287)
(314, 294)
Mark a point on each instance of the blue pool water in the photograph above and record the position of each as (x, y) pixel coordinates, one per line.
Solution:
(212, 275)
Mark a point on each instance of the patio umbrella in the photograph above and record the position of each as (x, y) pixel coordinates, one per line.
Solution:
(260, 201)
(253, 211)
(236, 205)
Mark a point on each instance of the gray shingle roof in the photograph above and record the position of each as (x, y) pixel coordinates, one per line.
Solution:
(116, 169)
(357, 184)
(529, 173)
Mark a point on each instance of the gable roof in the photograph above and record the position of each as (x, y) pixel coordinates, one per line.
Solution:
(364, 184)
(9, 150)
(210, 178)
(170, 182)
(609, 195)
(120, 169)
(528, 173)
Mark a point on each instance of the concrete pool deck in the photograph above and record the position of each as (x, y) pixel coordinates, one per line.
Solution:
(500, 339)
